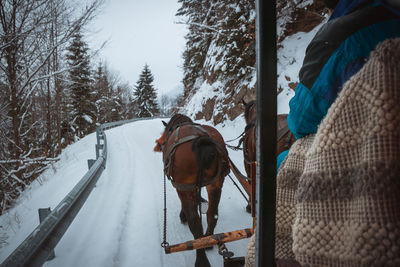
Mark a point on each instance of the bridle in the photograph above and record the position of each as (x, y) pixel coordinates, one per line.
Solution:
(245, 139)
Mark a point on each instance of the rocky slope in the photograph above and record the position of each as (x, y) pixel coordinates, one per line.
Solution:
(225, 73)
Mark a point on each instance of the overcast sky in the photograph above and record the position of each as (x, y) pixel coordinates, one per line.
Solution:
(140, 32)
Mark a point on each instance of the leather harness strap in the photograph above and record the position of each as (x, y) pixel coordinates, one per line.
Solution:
(245, 140)
(168, 158)
(281, 133)
(168, 155)
(192, 186)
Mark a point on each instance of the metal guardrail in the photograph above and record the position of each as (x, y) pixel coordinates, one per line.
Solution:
(39, 245)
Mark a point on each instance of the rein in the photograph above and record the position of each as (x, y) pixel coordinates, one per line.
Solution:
(242, 135)
(228, 141)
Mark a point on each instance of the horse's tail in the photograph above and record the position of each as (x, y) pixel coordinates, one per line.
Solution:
(205, 150)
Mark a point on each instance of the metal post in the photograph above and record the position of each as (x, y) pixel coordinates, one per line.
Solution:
(97, 151)
(98, 135)
(90, 163)
(266, 135)
(98, 147)
(43, 213)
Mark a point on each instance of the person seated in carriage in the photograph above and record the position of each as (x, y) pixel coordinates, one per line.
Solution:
(338, 187)
(338, 51)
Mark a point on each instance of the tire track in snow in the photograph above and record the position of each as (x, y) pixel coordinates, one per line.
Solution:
(143, 221)
(124, 222)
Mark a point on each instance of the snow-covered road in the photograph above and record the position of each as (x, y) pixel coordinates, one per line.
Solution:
(121, 223)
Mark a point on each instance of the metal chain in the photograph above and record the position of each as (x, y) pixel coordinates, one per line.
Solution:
(223, 251)
(165, 244)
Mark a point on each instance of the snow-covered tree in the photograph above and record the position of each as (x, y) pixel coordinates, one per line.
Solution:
(222, 32)
(83, 108)
(145, 95)
(33, 38)
(220, 46)
(118, 106)
(103, 90)
(113, 96)
(198, 15)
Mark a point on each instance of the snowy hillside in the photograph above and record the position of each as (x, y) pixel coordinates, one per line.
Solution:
(290, 59)
(219, 58)
(121, 222)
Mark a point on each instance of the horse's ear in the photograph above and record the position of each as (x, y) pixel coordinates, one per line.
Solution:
(244, 102)
(165, 124)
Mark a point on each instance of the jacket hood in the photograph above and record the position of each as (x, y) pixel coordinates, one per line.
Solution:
(345, 7)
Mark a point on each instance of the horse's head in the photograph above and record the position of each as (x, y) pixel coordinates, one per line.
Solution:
(161, 141)
(174, 122)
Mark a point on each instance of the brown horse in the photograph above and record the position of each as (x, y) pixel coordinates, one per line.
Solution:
(194, 156)
(285, 138)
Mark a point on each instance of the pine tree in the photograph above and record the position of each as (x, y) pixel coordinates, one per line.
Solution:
(118, 108)
(83, 108)
(145, 95)
(131, 109)
(103, 90)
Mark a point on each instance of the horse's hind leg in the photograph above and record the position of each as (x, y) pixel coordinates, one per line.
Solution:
(189, 207)
(214, 196)
(182, 215)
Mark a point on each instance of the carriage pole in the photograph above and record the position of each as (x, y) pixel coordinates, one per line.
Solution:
(266, 119)
(209, 241)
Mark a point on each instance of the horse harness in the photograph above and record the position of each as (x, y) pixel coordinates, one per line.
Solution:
(245, 139)
(169, 154)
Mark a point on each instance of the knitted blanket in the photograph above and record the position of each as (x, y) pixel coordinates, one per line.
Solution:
(338, 191)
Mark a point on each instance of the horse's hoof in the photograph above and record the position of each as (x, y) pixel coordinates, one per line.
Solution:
(248, 208)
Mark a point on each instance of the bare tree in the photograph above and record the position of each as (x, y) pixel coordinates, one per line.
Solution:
(33, 34)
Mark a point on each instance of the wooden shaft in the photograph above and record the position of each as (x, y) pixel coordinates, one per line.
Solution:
(209, 241)
(243, 180)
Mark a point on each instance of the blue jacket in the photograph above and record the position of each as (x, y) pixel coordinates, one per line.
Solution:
(338, 50)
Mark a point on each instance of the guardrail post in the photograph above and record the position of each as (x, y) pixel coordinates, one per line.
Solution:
(43, 213)
(97, 151)
(98, 147)
(90, 163)
(98, 135)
